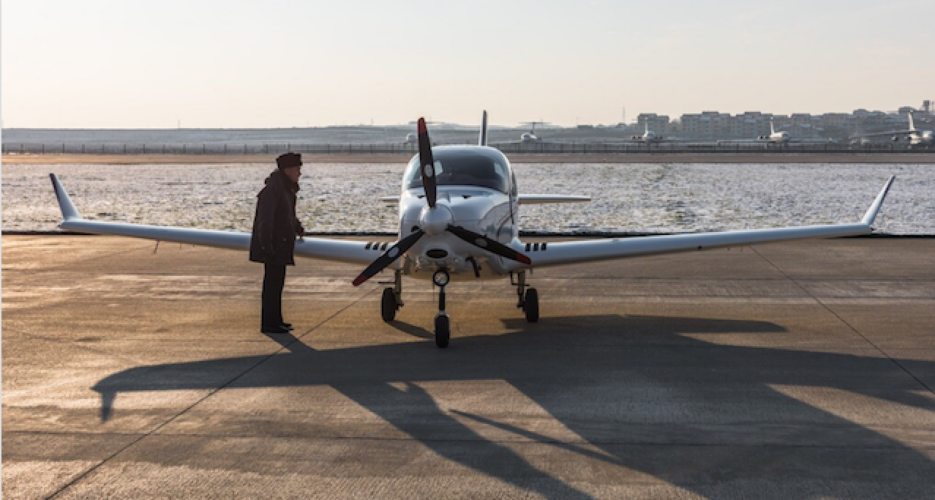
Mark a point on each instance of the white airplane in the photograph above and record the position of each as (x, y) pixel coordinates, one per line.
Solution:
(648, 136)
(458, 214)
(778, 137)
(917, 138)
(526, 137)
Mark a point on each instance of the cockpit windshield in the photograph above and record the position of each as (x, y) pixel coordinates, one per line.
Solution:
(462, 167)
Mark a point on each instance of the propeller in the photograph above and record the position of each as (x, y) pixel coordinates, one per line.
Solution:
(434, 219)
(492, 246)
(389, 256)
(428, 165)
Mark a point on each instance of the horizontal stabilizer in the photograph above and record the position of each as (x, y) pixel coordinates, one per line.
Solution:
(535, 199)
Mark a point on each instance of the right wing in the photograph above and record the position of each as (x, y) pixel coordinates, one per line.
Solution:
(355, 252)
(560, 253)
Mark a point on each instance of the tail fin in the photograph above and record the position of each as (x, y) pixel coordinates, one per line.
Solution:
(772, 128)
(69, 212)
(912, 126)
(483, 130)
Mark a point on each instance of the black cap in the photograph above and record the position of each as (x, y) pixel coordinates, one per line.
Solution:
(289, 160)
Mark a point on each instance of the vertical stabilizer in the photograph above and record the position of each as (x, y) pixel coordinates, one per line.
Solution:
(772, 128)
(912, 126)
(483, 130)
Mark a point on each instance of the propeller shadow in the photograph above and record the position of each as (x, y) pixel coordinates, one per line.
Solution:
(618, 383)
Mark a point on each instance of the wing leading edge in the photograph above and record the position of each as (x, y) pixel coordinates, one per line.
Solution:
(618, 248)
(356, 252)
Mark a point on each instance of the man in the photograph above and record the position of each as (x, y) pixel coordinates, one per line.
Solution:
(275, 228)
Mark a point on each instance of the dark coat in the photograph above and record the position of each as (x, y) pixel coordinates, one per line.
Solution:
(275, 225)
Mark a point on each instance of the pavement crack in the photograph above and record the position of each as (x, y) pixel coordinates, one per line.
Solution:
(845, 322)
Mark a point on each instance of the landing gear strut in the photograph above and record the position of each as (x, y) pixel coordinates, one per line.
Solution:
(442, 323)
(528, 299)
(392, 299)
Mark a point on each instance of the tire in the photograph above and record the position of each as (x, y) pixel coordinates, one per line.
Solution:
(531, 305)
(442, 331)
(388, 305)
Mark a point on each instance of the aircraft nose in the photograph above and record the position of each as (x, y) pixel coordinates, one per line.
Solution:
(435, 220)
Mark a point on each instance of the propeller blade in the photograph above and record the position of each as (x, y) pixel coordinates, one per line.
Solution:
(488, 244)
(428, 164)
(389, 256)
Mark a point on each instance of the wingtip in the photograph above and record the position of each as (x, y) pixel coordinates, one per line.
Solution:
(874, 209)
(69, 211)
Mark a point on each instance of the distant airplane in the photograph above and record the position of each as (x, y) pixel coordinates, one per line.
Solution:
(527, 137)
(780, 138)
(917, 138)
(648, 136)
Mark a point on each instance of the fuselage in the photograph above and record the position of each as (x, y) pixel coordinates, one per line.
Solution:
(780, 137)
(476, 191)
(528, 137)
(922, 138)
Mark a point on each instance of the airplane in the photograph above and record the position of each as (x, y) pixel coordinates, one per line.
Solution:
(648, 136)
(780, 138)
(917, 138)
(527, 137)
(458, 221)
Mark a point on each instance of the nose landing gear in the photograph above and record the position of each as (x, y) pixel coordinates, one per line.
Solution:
(442, 323)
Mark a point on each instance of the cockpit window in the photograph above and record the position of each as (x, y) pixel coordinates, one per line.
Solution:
(461, 168)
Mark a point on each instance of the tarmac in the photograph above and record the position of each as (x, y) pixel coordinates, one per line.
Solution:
(793, 370)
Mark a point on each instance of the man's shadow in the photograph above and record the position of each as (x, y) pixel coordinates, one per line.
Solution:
(617, 382)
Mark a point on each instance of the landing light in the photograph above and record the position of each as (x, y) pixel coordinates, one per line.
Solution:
(440, 278)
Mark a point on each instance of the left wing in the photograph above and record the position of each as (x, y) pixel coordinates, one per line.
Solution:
(558, 253)
(356, 252)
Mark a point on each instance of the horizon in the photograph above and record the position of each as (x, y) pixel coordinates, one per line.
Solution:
(284, 64)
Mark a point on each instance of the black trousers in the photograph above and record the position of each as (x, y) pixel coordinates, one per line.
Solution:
(274, 277)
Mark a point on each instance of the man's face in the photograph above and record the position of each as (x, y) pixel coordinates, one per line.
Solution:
(293, 173)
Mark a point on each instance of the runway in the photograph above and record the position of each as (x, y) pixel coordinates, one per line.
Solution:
(793, 370)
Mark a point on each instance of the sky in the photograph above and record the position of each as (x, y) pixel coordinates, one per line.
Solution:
(298, 63)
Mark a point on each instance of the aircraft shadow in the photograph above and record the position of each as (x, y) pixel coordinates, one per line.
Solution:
(617, 382)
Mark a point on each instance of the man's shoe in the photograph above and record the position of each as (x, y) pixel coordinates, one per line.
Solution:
(287, 326)
(274, 329)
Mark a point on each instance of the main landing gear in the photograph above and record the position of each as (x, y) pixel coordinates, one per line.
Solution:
(528, 299)
(392, 299)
